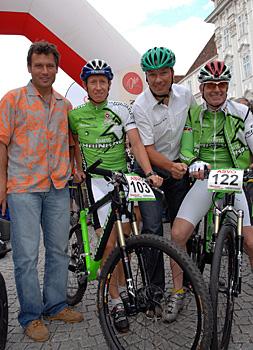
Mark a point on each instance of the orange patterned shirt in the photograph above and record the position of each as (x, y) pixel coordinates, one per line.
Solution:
(37, 140)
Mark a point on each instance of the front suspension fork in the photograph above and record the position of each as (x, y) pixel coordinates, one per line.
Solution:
(126, 264)
(239, 252)
(125, 258)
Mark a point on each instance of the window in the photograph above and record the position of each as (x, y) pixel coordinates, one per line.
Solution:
(241, 25)
(247, 69)
(226, 38)
(230, 65)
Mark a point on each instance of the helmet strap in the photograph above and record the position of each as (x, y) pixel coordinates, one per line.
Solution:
(94, 102)
(163, 97)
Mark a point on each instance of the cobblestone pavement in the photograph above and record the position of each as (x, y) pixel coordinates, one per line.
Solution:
(88, 334)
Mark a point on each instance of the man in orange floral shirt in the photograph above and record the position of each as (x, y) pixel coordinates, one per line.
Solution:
(34, 170)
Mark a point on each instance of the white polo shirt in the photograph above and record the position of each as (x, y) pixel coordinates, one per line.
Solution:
(163, 125)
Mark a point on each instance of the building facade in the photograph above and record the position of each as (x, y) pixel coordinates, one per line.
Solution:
(234, 42)
(233, 20)
(190, 80)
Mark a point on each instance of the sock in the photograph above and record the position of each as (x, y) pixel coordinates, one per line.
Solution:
(122, 289)
(179, 291)
(116, 301)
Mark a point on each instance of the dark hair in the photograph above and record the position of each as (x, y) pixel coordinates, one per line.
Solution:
(43, 47)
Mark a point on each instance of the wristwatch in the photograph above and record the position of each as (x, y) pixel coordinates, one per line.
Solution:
(150, 173)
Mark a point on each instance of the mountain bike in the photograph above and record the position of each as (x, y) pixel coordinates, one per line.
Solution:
(220, 243)
(3, 313)
(144, 302)
(226, 271)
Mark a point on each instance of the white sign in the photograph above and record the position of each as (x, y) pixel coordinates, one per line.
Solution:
(225, 180)
(139, 189)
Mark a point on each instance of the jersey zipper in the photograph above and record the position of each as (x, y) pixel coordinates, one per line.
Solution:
(214, 138)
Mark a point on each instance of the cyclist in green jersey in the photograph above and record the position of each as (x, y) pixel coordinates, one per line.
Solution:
(217, 134)
(100, 126)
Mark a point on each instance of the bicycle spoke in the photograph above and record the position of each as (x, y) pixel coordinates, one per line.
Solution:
(147, 329)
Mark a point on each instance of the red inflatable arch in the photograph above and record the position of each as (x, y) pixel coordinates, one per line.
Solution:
(77, 29)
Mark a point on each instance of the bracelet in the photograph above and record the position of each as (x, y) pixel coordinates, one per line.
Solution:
(150, 173)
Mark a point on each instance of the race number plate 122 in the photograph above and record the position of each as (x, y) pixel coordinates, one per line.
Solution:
(139, 189)
(225, 180)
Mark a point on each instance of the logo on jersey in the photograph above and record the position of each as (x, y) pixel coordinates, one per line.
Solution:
(115, 127)
(107, 119)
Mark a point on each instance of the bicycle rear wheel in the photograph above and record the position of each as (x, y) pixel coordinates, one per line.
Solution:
(77, 280)
(3, 313)
(193, 327)
(221, 286)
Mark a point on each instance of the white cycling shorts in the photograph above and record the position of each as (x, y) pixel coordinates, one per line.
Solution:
(99, 188)
(198, 201)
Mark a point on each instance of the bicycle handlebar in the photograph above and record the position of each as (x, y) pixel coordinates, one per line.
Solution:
(114, 175)
(248, 175)
(93, 169)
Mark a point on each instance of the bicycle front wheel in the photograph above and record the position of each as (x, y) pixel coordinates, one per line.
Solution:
(221, 286)
(77, 280)
(147, 329)
(3, 313)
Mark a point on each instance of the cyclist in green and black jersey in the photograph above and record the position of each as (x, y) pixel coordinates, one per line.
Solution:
(217, 134)
(100, 126)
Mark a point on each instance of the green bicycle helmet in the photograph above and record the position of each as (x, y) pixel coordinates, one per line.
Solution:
(158, 57)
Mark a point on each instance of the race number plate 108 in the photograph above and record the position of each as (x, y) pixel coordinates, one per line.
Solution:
(139, 189)
(225, 180)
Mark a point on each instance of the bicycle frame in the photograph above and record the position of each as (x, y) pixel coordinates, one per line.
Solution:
(118, 207)
(213, 221)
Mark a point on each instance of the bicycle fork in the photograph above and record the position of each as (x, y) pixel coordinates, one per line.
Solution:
(237, 281)
(126, 265)
(125, 258)
(239, 253)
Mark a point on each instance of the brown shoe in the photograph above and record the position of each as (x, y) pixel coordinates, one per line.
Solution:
(36, 330)
(67, 315)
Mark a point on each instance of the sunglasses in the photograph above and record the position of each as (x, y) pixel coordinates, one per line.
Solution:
(222, 85)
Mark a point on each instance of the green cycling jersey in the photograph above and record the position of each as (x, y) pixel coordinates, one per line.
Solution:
(101, 132)
(218, 138)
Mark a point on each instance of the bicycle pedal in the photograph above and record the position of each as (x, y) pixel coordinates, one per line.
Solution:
(154, 312)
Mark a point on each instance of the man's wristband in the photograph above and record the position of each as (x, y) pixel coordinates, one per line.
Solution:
(150, 174)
